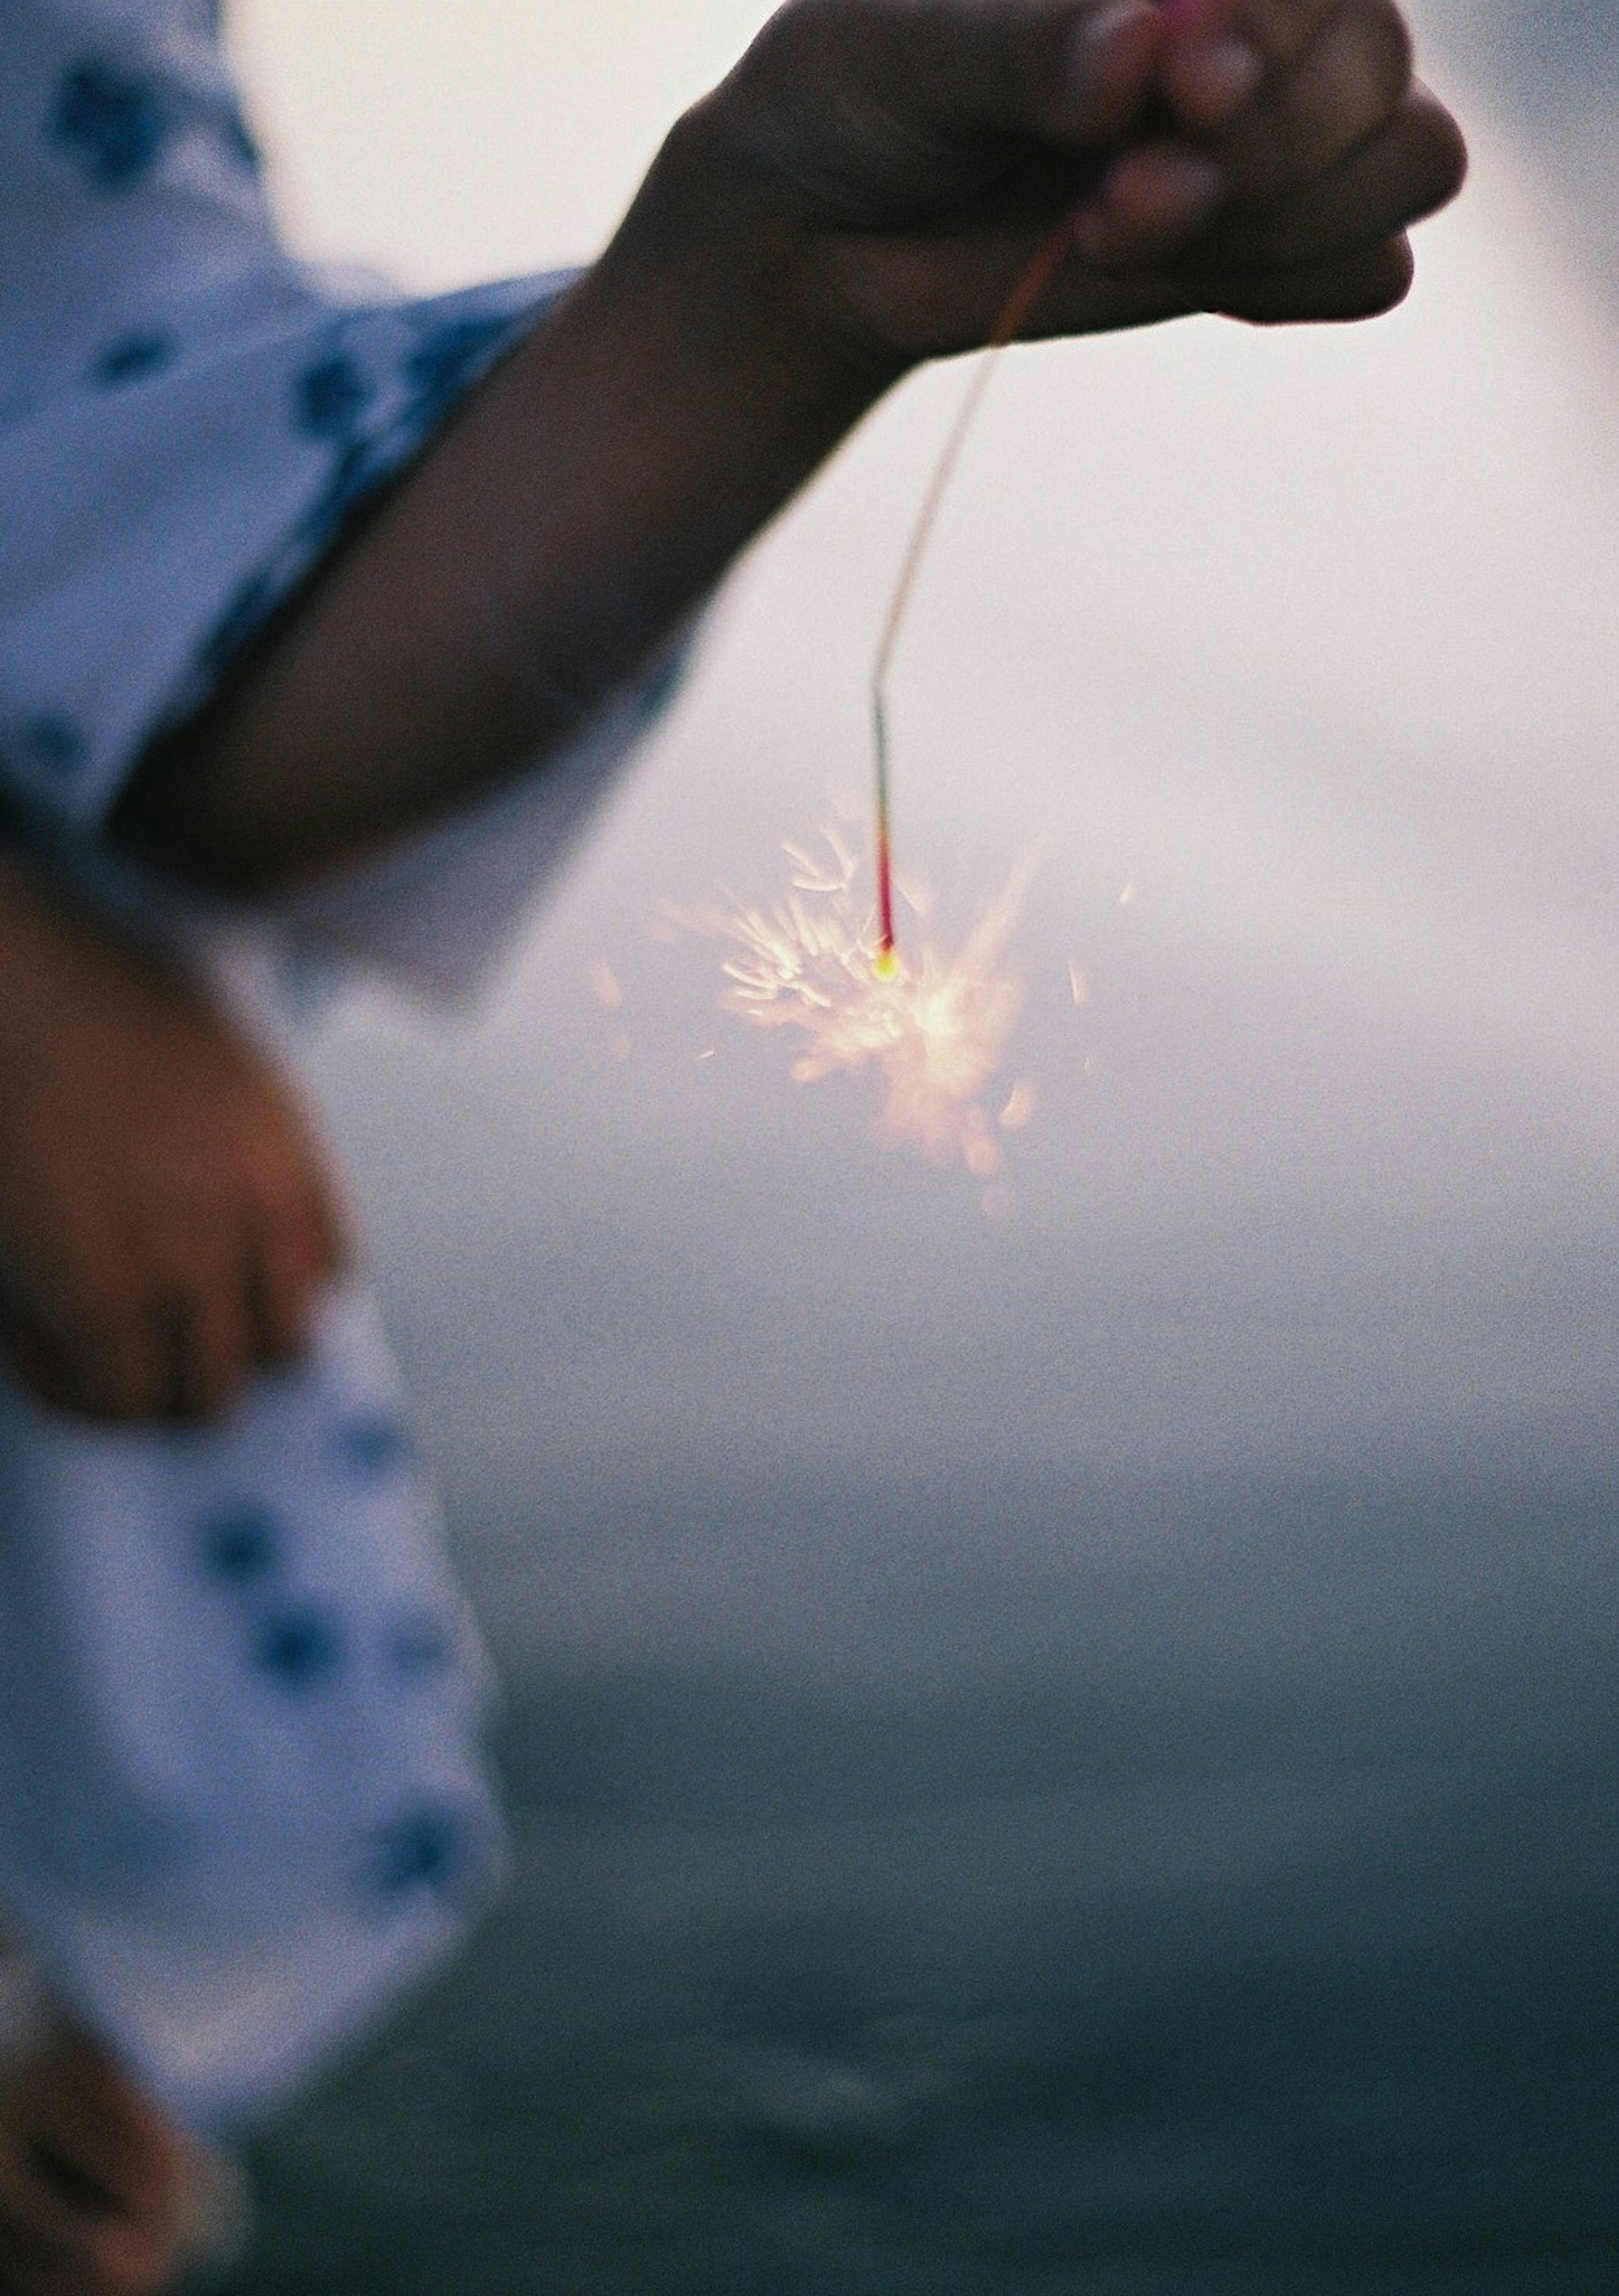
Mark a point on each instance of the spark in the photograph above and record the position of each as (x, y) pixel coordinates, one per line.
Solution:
(931, 1024)
(605, 985)
(1027, 289)
(824, 959)
(1022, 1101)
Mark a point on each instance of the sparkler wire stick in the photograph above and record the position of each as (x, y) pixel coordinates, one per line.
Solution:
(1031, 283)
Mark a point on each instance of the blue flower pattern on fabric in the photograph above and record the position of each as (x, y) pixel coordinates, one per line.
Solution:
(373, 421)
(303, 1643)
(373, 1444)
(330, 396)
(241, 1546)
(287, 1616)
(447, 359)
(116, 121)
(424, 1849)
(131, 357)
(251, 605)
(301, 1649)
(418, 1647)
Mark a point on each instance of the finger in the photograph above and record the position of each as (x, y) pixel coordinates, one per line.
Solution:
(126, 1376)
(1417, 164)
(1106, 64)
(1054, 70)
(330, 1218)
(121, 1368)
(37, 1363)
(1343, 87)
(1156, 195)
(205, 1330)
(50, 2245)
(871, 112)
(1344, 93)
(904, 271)
(280, 1299)
(77, 1339)
(1358, 286)
(43, 2250)
(1362, 283)
(114, 1372)
(1219, 53)
(1213, 64)
(288, 1262)
(101, 2133)
(95, 2188)
(298, 1240)
(291, 1184)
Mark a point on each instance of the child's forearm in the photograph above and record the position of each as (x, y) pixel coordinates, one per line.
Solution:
(859, 196)
(588, 494)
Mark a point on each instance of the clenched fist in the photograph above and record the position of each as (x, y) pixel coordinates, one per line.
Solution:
(1260, 158)
(862, 192)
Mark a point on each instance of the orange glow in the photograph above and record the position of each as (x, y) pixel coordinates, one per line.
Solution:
(932, 1027)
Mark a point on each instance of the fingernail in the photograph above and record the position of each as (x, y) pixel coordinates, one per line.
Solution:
(1093, 35)
(1151, 199)
(1217, 77)
(1184, 187)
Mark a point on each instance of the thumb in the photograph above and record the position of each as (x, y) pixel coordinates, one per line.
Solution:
(874, 107)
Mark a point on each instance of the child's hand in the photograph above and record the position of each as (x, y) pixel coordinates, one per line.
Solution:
(92, 2179)
(1261, 158)
(165, 1221)
(861, 193)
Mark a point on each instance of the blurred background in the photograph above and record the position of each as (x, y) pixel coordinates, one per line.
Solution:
(1061, 1741)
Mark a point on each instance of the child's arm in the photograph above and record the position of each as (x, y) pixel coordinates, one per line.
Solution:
(166, 1219)
(857, 196)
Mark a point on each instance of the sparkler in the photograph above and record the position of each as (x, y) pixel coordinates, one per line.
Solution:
(935, 1024)
(934, 1032)
(1030, 285)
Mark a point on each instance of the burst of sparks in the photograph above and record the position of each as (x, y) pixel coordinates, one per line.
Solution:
(932, 1024)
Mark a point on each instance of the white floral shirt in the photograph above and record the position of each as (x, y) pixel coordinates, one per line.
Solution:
(241, 1794)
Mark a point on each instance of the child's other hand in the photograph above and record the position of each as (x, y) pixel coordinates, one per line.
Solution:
(166, 1219)
(91, 2178)
(1261, 158)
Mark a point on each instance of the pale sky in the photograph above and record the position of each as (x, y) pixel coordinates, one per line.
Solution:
(452, 140)
(1308, 640)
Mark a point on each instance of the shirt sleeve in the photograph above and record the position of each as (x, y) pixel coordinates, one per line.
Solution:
(150, 530)
(189, 419)
(436, 912)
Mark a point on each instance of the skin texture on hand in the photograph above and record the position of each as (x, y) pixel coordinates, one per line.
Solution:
(1258, 158)
(166, 1219)
(91, 2178)
(858, 195)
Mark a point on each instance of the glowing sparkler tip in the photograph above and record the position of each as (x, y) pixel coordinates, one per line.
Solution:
(930, 1022)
